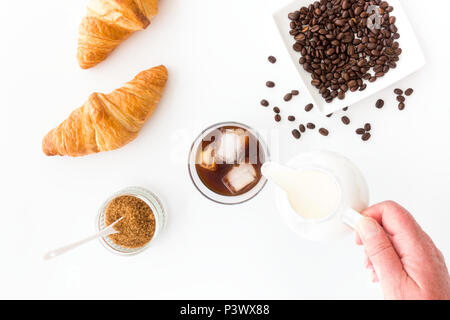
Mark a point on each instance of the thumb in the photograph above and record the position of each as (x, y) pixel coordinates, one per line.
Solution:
(380, 251)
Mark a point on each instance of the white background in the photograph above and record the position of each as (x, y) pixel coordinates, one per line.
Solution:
(216, 53)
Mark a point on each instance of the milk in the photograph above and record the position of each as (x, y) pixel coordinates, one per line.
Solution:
(312, 193)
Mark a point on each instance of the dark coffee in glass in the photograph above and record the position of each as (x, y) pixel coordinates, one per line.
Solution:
(229, 160)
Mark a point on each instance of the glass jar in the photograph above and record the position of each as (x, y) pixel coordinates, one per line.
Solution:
(151, 200)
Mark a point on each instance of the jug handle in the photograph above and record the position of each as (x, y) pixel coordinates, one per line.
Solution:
(351, 218)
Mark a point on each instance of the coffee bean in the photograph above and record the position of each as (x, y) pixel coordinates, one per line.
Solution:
(345, 120)
(272, 59)
(360, 131)
(366, 136)
(277, 118)
(345, 109)
(270, 84)
(330, 52)
(302, 128)
(329, 115)
(309, 107)
(276, 110)
(352, 83)
(311, 125)
(367, 127)
(401, 99)
(294, 15)
(291, 118)
(296, 134)
(346, 4)
(300, 37)
(409, 92)
(398, 91)
(324, 132)
(288, 97)
(295, 92)
(401, 106)
(264, 103)
(380, 104)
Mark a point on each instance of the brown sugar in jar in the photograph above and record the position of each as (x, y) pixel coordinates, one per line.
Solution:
(138, 225)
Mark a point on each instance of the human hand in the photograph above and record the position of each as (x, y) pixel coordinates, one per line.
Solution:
(402, 257)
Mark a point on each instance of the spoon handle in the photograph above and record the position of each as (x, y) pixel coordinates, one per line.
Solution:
(105, 232)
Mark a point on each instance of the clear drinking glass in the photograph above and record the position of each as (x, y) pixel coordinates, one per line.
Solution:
(208, 193)
(151, 200)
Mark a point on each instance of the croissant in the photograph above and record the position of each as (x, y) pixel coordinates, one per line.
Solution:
(107, 24)
(108, 121)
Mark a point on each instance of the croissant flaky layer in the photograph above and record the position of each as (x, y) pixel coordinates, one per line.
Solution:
(107, 24)
(108, 121)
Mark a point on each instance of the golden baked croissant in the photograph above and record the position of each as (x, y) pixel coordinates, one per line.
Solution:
(107, 24)
(108, 121)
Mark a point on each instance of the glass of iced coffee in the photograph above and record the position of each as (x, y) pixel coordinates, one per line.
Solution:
(225, 163)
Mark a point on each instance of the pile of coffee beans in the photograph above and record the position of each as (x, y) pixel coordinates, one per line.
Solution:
(339, 49)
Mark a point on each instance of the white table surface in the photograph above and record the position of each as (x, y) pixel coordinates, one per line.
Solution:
(216, 53)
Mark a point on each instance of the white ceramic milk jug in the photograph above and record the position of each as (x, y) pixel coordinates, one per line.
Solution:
(319, 194)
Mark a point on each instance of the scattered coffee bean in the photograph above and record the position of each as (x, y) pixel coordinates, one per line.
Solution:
(270, 84)
(288, 97)
(380, 104)
(329, 115)
(272, 59)
(311, 125)
(309, 107)
(367, 127)
(401, 99)
(291, 118)
(345, 109)
(401, 106)
(409, 92)
(295, 92)
(338, 48)
(366, 136)
(302, 128)
(398, 92)
(296, 134)
(264, 103)
(360, 131)
(324, 132)
(345, 120)
(277, 118)
(276, 110)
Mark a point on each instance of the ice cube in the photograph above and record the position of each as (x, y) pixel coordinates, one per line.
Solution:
(239, 177)
(230, 148)
(206, 158)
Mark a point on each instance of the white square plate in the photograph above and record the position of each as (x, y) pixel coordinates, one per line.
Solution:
(411, 60)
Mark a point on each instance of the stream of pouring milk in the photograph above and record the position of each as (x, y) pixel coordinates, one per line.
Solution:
(313, 194)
